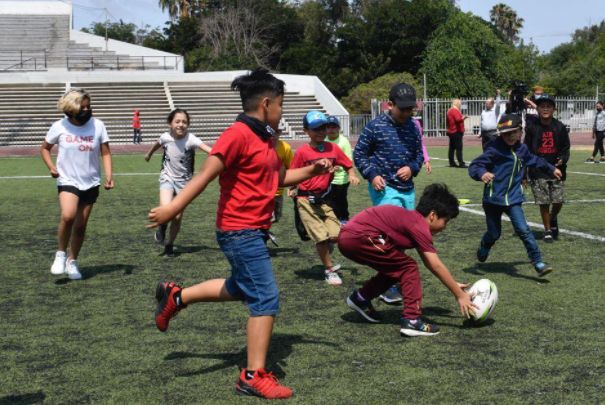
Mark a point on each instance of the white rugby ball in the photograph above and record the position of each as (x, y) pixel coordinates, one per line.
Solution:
(485, 297)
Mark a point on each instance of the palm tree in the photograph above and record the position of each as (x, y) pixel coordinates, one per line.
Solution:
(182, 8)
(506, 21)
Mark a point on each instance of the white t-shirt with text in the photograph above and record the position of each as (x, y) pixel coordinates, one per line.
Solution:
(79, 151)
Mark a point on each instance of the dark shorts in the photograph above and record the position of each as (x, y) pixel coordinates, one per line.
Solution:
(87, 197)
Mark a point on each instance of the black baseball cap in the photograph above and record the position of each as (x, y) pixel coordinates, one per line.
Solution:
(403, 95)
(545, 98)
(509, 123)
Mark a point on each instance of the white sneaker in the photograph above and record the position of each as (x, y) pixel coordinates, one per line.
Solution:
(58, 266)
(332, 277)
(72, 270)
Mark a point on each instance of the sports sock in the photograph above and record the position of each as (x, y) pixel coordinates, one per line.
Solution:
(250, 374)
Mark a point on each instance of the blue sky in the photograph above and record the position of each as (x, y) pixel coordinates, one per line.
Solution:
(548, 23)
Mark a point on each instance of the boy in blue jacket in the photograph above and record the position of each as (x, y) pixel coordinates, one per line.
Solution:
(500, 167)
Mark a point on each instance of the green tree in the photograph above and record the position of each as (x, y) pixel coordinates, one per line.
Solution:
(358, 99)
(119, 31)
(465, 58)
(506, 21)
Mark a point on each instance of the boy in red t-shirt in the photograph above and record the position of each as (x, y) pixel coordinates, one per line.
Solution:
(249, 171)
(378, 236)
(316, 215)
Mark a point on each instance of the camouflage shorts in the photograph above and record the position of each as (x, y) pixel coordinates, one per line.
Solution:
(548, 191)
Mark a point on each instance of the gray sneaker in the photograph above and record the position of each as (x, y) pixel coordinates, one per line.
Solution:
(160, 234)
(392, 296)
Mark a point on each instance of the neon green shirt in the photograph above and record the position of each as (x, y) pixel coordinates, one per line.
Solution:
(340, 175)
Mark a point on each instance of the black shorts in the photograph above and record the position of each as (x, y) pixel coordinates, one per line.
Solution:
(87, 197)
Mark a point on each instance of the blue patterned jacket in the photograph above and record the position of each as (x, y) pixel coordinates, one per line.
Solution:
(385, 147)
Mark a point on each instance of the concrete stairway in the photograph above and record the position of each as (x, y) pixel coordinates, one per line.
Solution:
(84, 57)
(33, 35)
(114, 104)
(213, 107)
(27, 111)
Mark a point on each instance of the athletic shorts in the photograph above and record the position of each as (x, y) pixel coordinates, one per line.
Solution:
(392, 196)
(319, 220)
(168, 183)
(548, 191)
(86, 197)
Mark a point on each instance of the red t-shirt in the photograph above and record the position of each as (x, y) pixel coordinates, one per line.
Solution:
(136, 122)
(306, 155)
(406, 229)
(249, 181)
(455, 121)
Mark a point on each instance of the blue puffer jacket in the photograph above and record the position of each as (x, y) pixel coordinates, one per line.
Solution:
(385, 147)
(506, 163)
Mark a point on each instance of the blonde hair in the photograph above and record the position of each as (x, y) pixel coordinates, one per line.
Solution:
(457, 103)
(71, 102)
(538, 88)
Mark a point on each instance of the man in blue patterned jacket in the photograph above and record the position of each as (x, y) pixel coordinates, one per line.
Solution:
(389, 155)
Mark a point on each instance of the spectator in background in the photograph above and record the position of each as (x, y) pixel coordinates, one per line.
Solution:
(489, 122)
(455, 131)
(136, 128)
(598, 133)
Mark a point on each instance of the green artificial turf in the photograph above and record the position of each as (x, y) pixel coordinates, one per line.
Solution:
(94, 341)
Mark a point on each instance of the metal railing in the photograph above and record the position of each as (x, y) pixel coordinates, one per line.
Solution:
(110, 62)
(25, 60)
(576, 112)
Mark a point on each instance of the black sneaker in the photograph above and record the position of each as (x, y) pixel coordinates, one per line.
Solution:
(160, 234)
(554, 228)
(363, 308)
(462, 165)
(417, 327)
(482, 253)
(169, 251)
(547, 238)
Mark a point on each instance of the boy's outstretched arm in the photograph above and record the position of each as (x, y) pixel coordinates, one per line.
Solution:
(155, 147)
(436, 266)
(212, 167)
(292, 177)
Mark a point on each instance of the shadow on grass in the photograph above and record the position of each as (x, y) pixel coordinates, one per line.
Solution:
(275, 251)
(317, 272)
(195, 249)
(23, 399)
(280, 350)
(482, 269)
(92, 271)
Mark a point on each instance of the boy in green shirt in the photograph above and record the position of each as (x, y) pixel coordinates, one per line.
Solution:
(337, 198)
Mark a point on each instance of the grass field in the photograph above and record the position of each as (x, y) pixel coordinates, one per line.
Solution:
(95, 341)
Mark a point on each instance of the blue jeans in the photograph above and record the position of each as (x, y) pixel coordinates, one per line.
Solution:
(493, 219)
(392, 196)
(252, 277)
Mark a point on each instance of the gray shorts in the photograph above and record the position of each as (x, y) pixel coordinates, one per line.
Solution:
(168, 183)
(548, 191)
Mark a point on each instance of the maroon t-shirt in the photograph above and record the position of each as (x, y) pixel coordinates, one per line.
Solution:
(405, 229)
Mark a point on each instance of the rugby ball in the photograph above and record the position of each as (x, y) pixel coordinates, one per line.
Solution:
(485, 297)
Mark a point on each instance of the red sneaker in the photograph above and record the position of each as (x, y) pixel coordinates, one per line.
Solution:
(262, 384)
(167, 307)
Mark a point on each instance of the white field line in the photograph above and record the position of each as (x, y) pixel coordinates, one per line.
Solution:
(540, 226)
(48, 176)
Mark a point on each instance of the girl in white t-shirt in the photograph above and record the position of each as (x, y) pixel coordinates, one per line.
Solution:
(81, 139)
(177, 169)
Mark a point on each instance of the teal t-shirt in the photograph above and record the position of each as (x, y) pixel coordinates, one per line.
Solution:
(340, 175)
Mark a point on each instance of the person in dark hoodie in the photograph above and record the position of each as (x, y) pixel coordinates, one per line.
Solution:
(500, 167)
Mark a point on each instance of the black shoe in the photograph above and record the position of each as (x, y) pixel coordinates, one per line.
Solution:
(363, 308)
(453, 164)
(169, 251)
(554, 228)
(482, 253)
(548, 237)
(160, 234)
(417, 327)
(462, 165)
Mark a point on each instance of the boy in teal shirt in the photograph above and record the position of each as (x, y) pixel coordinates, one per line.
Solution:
(337, 198)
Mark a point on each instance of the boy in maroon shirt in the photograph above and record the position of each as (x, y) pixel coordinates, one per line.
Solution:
(378, 236)
(317, 216)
